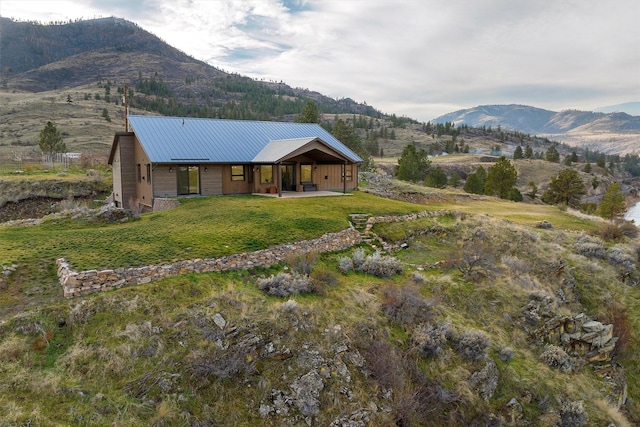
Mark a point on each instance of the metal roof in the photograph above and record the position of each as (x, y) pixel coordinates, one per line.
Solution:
(179, 140)
(275, 151)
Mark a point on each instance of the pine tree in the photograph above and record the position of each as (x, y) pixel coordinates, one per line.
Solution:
(528, 152)
(413, 165)
(50, 141)
(566, 187)
(309, 114)
(552, 155)
(613, 203)
(517, 153)
(501, 178)
(476, 181)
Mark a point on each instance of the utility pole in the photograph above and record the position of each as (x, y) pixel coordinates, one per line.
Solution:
(126, 109)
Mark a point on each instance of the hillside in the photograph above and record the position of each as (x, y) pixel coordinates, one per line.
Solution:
(611, 133)
(459, 328)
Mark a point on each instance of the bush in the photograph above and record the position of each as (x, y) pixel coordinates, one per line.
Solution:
(302, 263)
(617, 316)
(617, 231)
(590, 247)
(345, 265)
(573, 414)
(321, 277)
(376, 264)
(431, 339)
(381, 266)
(556, 357)
(404, 304)
(620, 259)
(285, 284)
(473, 344)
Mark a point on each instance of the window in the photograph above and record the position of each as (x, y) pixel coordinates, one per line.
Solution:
(188, 180)
(149, 173)
(305, 173)
(237, 173)
(139, 172)
(266, 174)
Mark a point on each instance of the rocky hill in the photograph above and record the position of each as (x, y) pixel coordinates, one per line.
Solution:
(39, 58)
(615, 133)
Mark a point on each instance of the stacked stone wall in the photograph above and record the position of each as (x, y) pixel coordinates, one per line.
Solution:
(76, 283)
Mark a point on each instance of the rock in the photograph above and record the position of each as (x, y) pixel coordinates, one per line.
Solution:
(219, 320)
(486, 380)
(592, 326)
(306, 390)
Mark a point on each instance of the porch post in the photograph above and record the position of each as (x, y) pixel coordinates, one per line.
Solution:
(344, 174)
(280, 179)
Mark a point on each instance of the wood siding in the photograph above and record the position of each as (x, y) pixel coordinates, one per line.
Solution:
(144, 189)
(124, 173)
(211, 180)
(164, 182)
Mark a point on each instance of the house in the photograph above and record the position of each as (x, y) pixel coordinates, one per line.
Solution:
(168, 157)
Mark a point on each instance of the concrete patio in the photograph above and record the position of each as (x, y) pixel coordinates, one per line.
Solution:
(297, 194)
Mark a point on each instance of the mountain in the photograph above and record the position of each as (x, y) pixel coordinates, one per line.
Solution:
(632, 108)
(38, 58)
(606, 132)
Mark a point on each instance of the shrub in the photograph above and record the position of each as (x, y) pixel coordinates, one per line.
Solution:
(431, 339)
(345, 265)
(617, 231)
(321, 277)
(358, 259)
(573, 414)
(302, 263)
(285, 284)
(516, 266)
(473, 344)
(620, 259)
(381, 266)
(506, 354)
(590, 247)
(556, 357)
(404, 304)
(617, 316)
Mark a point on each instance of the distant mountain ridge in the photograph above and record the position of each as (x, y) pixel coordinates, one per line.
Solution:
(39, 58)
(539, 121)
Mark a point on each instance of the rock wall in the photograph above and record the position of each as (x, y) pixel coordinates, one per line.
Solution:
(76, 283)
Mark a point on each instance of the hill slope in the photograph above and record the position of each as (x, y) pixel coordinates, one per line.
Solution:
(607, 132)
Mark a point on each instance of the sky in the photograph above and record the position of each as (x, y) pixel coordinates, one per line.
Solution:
(415, 58)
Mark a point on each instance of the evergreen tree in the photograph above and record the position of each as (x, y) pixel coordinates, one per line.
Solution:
(346, 134)
(50, 141)
(454, 180)
(613, 203)
(476, 181)
(436, 178)
(566, 187)
(413, 165)
(574, 157)
(517, 153)
(309, 114)
(552, 155)
(501, 178)
(528, 152)
(601, 161)
(587, 168)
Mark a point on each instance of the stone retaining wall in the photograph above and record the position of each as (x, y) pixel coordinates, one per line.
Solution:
(76, 283)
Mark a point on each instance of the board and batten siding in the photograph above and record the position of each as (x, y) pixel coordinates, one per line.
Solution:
(329, 177)
(211, 180)
(124, 173)
(164, 182)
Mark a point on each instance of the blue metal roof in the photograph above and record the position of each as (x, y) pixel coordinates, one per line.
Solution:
(178, 139)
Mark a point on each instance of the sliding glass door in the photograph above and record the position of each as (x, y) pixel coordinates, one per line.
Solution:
(188, 180)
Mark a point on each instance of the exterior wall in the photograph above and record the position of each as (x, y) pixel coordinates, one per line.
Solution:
(144, 189)
(124, 173)
(237, 187)
(211, 180)
(164, 182)
(329, 177)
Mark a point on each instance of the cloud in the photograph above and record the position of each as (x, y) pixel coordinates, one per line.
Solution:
(417, 58)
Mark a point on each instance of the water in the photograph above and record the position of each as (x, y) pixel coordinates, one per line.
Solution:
(633, 213)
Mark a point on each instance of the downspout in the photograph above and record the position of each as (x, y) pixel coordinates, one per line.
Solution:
(280, 179)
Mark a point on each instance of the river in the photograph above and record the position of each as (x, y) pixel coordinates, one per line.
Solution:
(633, 214)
